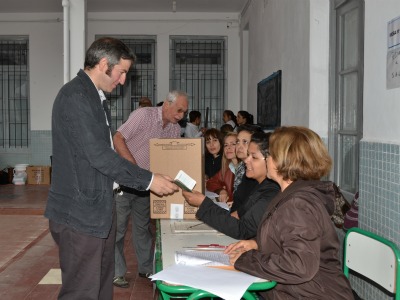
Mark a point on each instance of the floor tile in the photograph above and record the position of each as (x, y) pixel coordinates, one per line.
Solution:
(29, 255)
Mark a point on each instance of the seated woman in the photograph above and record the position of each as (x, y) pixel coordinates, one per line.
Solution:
(263, 193)
(242, 184)
(213, 157)
(296, 243)
(222, 182)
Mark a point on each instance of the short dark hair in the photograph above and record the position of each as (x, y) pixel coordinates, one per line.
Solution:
(249, 128)
(193, 115)
(107, 47)
(145, 102)
(262, 141)
(226, 128)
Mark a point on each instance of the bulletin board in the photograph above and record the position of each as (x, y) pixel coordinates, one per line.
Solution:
(269, 101)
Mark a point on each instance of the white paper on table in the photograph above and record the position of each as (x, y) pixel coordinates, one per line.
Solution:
(201, 257)
(227, 284)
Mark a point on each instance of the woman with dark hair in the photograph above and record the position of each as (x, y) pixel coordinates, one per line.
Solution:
(242, 184)
(213, 157)
(229, 118)
(296, 244)
(244, 117)
(253, 209)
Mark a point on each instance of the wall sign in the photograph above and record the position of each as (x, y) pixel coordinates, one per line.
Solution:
(393, 54)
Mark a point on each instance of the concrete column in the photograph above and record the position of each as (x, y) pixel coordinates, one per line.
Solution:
(77, 34)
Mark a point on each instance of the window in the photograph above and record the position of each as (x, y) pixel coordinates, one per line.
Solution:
(197, 66)
(14, 93)
(140, 80)
(347, 99)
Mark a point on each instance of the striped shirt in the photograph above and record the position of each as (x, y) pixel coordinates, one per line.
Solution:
(145, 124)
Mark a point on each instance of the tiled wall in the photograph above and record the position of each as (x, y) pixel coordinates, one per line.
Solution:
(41, 147)
(379, 202)
(38, 153)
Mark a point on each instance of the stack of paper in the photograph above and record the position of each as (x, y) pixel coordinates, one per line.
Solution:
(229, 285)
(204, 258)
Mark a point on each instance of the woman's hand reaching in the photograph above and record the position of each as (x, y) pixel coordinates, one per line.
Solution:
(194, 198)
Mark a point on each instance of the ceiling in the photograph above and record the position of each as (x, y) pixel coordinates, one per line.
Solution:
(54, 6)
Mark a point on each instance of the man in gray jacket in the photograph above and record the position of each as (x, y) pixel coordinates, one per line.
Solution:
(86, 169)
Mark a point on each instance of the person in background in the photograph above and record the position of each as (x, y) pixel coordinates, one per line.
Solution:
(80, 205)
(242, 184)
(213, 157)
(222, 182)
(145, 102)
(192, 127)
(229, 118)
(296, 244)
(262, 194)
(243, 117)
(132, 142)
(226, 128)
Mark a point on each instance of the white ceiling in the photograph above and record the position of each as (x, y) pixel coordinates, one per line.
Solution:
(33, 6)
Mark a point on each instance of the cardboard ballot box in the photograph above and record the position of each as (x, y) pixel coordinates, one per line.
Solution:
(169, 156)
(38, 174)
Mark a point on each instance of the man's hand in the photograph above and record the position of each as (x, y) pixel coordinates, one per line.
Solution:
(235, 214)
(163, 185)
(194, 198)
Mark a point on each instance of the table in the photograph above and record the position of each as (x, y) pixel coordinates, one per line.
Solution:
(168, 242)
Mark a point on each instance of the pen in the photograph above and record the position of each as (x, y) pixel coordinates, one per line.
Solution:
(207, 247)
(195, 225)
(212, 246)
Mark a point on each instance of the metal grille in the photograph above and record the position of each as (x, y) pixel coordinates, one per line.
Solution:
(198, 67)
(140, 80)
(14, 92)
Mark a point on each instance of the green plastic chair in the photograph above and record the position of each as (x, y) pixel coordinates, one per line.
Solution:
(374, 257)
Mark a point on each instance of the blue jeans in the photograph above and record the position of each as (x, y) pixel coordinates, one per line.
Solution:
(136, 206)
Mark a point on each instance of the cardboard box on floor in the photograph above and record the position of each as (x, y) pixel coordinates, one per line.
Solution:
(38, 174)
(168, 156)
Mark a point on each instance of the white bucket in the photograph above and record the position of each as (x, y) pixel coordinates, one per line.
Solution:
(20, 175)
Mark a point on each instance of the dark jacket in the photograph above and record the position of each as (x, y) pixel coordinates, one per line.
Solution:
(212, 164)
(246, 226)
(242, 193)
(298, 245)
(84, 166)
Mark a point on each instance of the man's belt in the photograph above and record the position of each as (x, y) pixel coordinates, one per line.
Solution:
(129, 190)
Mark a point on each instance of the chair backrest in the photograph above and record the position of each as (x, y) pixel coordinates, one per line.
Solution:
(373, 257)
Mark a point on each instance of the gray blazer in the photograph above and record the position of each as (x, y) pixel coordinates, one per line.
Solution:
(84, 166)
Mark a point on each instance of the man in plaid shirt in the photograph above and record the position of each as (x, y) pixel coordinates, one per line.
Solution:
(131, 141)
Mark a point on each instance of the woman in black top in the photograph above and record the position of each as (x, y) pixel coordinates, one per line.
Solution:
(213, 158)
(253, 209)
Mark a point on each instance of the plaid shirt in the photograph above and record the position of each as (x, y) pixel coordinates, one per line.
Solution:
(145, 124)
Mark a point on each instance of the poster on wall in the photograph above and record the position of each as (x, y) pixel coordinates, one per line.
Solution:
(269, 101)
(393, 54)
